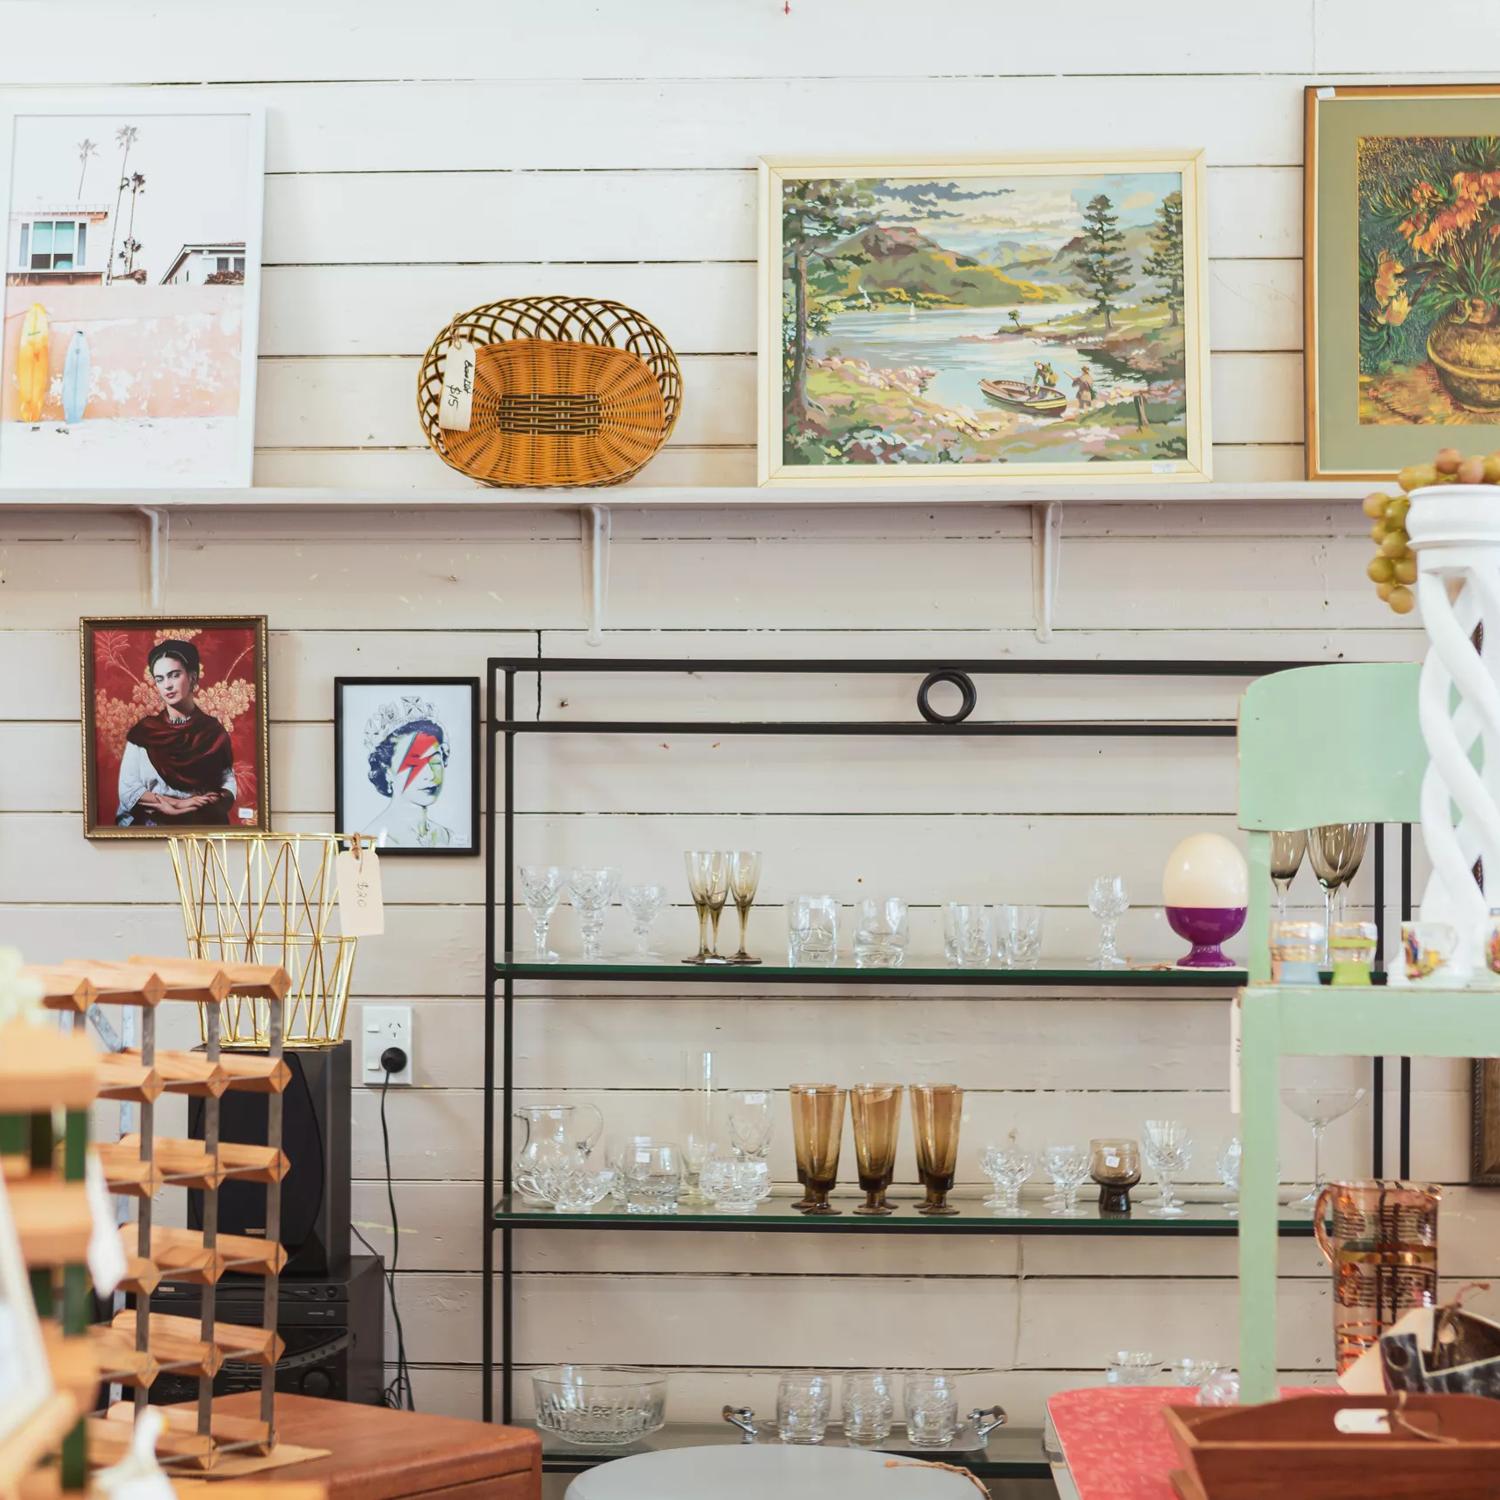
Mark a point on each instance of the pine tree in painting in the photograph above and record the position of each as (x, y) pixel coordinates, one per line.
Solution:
(1164, 264)
(1102, 265)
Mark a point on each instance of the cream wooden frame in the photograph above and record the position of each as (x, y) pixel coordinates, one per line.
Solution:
(772, 471)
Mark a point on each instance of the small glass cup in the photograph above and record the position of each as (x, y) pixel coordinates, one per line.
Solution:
(616, 1154)
(1068, 1167)
(1227, 1163)
(881, 933)
(1427, 947)
(1351, 951)
(931, 1400)
(1019, 939)
(729, 1181)
(1116, 1166)
(1297, 949)
(1132, 1367)
(804, 1403)
(968, 935)
(653, 1178)
(1007, 1167)
(812, 932)
(1221, 1389)
(750, 1121)
(1193, 1373)
(869, 1407)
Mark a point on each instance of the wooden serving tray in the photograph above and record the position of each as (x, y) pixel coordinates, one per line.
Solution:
(1294, 1447)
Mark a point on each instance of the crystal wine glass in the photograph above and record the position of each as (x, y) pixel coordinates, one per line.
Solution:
(744, 881)
(591, 891)
(1068, 1167)
(541, 890)
(1227, 1163)
(1335, 850)
(1007, 1167)
(1108, 901)
(643, 902)
(1287, 850)
(1320, 1108)
(1168, 1150)
(750, 1121)
(708, 880)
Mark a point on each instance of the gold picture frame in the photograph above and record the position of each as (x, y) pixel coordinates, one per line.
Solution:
(208, 757)
(1376, 396)
(914, 424)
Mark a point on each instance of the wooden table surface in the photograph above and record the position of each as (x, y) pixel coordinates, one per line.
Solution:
(378, 1454)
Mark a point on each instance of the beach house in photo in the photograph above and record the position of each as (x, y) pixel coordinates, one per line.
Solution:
(219, 264)
(58, 245)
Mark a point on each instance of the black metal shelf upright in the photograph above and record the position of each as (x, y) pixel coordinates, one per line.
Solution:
(502, 971)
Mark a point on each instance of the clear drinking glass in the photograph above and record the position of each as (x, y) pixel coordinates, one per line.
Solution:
(751, 1122)
(1007, 1167)
(1068, 1167)
(1168, 1149)
(968, 934)
(881, 933)
(812, 932)
(653, 1178)
(803, 1405)
(617, 1153)
(931, 1400)
(744, 881)
(869, 1406)
(1287, 850)
(541, 890)
(1193, 1373)
(729, 1181)
(1131, 1367)
(591, 891)
(1320, 1108)
(696, 1116)
(1336, 850)
(1108, 901)
(1019, 936)
(1227, 1163)
(643, 902)
(708, 881)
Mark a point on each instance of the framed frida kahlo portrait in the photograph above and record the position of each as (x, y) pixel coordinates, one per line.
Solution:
(1401, 275)
(175, 728)
(1026, 319)
(406, 762)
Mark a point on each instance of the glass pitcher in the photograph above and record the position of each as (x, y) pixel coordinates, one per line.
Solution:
(1383, 1250)
(552, 1135)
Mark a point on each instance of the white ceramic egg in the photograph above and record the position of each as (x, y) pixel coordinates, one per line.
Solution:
(1206, 870)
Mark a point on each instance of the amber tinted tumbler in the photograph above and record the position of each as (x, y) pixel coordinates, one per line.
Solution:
(936, 1109)
(817, 1133)
(875, 1111)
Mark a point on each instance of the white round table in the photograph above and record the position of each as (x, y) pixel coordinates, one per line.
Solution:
(753, 1471)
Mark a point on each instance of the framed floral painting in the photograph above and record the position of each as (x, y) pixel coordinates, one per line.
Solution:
(175, 729)
(1029, 319)
(1402, 275)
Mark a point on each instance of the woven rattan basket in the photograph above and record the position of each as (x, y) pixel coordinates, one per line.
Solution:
(567, 391)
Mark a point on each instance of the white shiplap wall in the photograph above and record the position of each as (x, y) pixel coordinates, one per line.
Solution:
(417, 167)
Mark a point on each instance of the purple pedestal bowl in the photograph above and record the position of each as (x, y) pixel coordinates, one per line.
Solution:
(1206, 927)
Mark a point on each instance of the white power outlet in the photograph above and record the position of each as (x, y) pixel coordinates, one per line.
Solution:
(386, 1026)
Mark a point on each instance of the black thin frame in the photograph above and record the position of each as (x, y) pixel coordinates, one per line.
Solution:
(477, 825)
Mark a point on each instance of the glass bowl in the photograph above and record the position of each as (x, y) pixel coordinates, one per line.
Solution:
(593, 1406)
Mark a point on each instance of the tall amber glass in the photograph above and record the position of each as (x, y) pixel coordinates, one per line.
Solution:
(817, 1134)
(936, 1109)
(875, 1111)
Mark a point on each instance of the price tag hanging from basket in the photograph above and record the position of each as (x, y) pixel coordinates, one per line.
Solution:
(357, 871)
(456, 409)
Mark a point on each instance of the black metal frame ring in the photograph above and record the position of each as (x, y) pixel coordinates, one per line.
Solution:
(962, 681)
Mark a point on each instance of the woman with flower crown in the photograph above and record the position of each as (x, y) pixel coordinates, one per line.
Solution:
(407, 750)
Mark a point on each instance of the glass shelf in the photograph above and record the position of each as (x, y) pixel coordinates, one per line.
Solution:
(778, 1216)
(917, 970)
(1009, 1452)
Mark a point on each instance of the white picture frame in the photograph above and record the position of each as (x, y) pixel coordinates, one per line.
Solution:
(99, 393)
(25, 1375)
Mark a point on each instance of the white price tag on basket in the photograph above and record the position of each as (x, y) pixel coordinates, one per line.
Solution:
(1236, 1046)
(361, 910)
(456, 408)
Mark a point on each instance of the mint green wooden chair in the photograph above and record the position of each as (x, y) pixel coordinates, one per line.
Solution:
(1334, 744)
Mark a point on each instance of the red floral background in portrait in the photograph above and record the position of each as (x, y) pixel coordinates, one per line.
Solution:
(123, 693)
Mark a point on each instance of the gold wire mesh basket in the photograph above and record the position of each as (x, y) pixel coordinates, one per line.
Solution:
(269, 898)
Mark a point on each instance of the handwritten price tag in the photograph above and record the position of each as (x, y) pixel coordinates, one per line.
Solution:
(456, 409)
(361, 910)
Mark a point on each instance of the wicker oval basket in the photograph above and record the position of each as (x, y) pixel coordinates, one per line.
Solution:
(567, 391)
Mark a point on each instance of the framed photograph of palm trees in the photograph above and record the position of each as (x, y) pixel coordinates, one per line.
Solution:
(1029, 319)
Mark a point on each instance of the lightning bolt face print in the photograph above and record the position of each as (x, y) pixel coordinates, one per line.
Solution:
(421, 750)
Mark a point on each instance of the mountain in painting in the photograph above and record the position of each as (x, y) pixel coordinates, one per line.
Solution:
(894, 263)
(1059, 267)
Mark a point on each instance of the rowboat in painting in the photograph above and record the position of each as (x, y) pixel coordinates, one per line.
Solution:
(1044, 401)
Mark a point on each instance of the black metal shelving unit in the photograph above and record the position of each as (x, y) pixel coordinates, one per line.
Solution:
(503, 970)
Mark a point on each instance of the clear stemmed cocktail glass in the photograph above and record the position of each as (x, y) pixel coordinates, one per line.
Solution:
(591, 891)
(541, 890)
(1068, 1167)
(1007, 1167)
(1108, 901)
(708, 880)
(1287, 850)
(643, 902)
(1335, 850)
(744, 881)
(1231, 1153)
(1168, 1150)
(1320, 1108)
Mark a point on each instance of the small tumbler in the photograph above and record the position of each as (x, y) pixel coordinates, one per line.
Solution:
(803, 1405)
(931, 1408)
(869, 1407)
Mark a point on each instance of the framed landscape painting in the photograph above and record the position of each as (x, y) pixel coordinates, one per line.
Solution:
(1032, 320)
(1402, 272)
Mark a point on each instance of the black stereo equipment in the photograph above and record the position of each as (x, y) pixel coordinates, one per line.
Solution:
(333, 1328)
(315, 1138)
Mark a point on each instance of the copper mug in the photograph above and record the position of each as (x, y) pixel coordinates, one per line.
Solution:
(1383, 1250)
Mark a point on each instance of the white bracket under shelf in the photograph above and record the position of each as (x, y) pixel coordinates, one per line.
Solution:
(594, 526)
(1046, 543)
(158, 536)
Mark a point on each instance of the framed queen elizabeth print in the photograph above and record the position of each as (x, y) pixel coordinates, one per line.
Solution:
(406, 756)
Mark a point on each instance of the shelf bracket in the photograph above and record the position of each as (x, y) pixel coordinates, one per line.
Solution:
(158, 536)
(594, 526)
(1046, 543)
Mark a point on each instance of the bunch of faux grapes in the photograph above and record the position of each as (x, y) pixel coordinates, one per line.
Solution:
(1393, 569)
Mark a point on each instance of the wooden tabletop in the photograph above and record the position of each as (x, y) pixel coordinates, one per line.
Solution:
(378, 1454)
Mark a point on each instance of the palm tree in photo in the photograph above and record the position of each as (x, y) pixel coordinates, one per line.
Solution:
(137, 187)
(86, 149)
(124, 139)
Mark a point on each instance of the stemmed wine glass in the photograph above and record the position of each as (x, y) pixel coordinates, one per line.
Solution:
(1336, 850)
(1231, 1153)
(591, 891)
(1108, 901)
(1168, 1151)
(708, 880)
(1320, 1108)
(1007, 1166)
(1287, 850)
(1068, 1167)
(643, 902)
(744, 881)
(541, 890)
